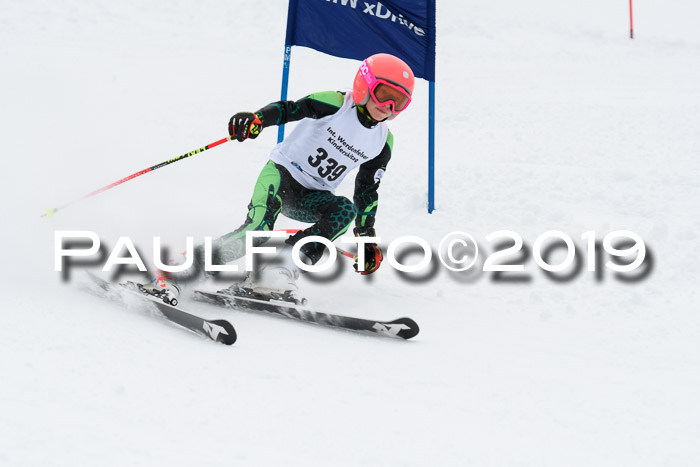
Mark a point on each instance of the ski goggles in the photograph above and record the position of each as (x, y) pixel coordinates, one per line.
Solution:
(384, 92)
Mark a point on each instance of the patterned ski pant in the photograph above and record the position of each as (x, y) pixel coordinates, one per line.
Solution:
(277, 192)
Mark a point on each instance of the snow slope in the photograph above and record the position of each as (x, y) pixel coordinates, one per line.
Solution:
(549, 117)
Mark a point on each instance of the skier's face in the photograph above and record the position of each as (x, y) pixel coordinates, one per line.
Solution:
(378, 112)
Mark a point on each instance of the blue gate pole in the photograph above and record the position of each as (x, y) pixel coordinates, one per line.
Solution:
(431, 147)
(285, 83)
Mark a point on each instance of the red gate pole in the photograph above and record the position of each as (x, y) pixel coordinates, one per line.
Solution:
(631, 23)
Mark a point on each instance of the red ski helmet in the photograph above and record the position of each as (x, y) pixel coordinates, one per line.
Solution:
(387, 79)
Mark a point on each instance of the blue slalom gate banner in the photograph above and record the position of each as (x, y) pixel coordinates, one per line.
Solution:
(357, 29)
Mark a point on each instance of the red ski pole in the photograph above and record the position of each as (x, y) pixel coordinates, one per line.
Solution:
(347, 254)
(50, 212)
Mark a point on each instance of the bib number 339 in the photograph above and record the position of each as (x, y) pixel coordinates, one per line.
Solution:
(328, 167)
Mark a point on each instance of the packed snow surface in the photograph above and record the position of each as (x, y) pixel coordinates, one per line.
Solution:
(548, 118)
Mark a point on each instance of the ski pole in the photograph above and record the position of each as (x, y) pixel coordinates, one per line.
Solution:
(339, 250)
(50, 212)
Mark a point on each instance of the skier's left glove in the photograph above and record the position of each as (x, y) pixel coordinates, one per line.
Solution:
(245, 125)
(373, 254)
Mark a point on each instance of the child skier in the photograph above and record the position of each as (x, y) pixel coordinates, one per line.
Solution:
(337, 134)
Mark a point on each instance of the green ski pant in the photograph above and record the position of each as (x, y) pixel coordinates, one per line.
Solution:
(277, 192)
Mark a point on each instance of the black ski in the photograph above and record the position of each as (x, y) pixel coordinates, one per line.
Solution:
(218, 330)
(404, 328)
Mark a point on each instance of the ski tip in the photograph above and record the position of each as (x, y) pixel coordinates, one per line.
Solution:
(408, 328)
(228, 336)
(101, 283)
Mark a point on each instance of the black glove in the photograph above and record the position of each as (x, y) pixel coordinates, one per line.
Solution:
(245, 125)
(373, 254)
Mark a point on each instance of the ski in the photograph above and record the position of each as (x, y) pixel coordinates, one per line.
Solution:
(404, 328)
(218, 330)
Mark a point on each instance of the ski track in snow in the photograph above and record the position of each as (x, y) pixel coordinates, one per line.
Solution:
(547, 118)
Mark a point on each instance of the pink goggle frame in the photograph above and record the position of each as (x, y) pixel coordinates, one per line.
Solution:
(372, 83)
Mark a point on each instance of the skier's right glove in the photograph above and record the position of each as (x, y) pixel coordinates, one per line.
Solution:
(373, 254)
(245, 125)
